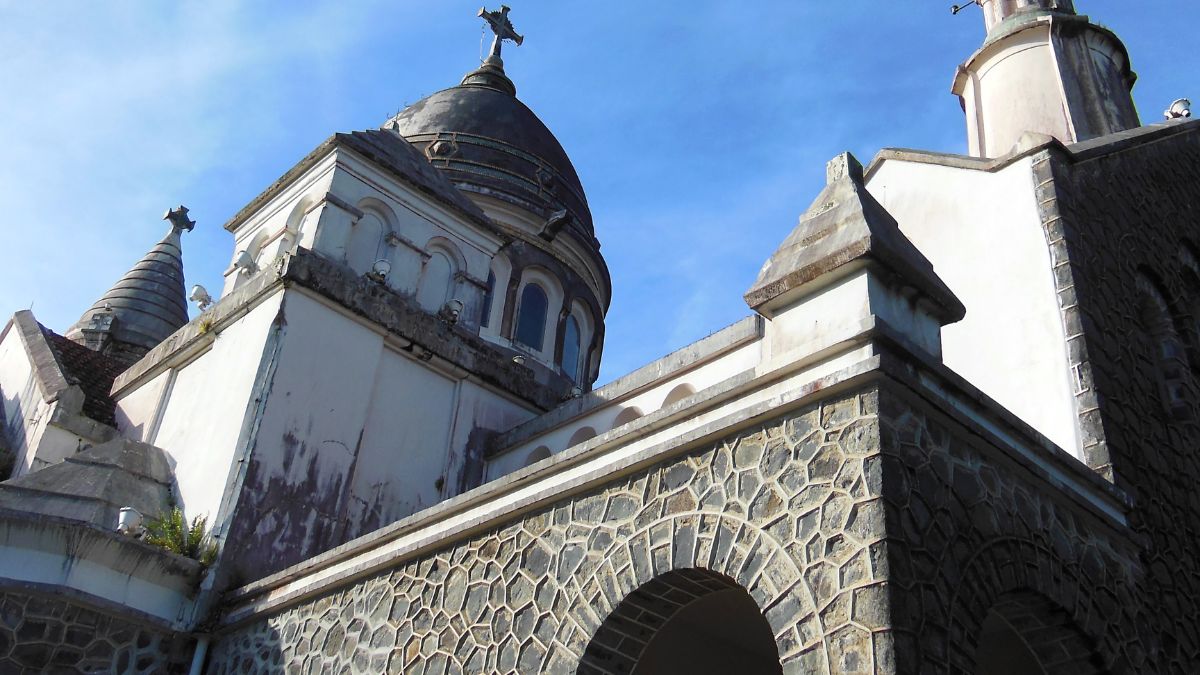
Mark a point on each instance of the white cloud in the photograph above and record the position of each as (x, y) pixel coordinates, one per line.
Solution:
(113, 111)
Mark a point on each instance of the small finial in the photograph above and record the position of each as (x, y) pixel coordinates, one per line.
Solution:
(179, 219)
(502, 27)
(844, 165)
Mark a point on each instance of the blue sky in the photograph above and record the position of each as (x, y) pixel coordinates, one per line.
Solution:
(700, 129)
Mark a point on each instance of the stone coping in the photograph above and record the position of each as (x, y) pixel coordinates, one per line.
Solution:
(48, 374)
(95, 602)
(738, 334)
(77, 530)
(108, 570)
(1075, 152)
(601, 460)
(422, 183)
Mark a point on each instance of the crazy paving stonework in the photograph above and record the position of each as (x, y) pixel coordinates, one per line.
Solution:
(43, 634)
(1118, 214)
(790, 511)
(876, 536)
(969, 536)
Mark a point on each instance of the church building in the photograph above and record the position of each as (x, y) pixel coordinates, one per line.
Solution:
(958, 430)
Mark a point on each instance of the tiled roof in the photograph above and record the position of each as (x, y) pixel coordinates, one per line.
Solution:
(92, 371)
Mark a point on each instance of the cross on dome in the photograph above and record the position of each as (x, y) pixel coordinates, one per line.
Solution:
(179, 219)
(502, 27)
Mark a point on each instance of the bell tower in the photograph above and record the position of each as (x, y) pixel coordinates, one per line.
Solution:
(1043, 69)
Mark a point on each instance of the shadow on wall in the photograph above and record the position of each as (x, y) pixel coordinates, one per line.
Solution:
(626, 416)
(677, 394)
(539, 453)
(582, 434)
(12, 436)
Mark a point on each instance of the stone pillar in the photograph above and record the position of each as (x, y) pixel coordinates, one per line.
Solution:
(1043, 69)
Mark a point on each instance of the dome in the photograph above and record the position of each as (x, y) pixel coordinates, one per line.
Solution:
(489, 143)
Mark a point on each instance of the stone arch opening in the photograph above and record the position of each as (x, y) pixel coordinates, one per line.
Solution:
(1025, 632)
(688, 621)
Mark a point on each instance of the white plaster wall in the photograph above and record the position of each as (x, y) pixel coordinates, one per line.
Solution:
(203, 414)
(381, 433)
(315, 415)
(137, 410)
(984, 237)
(830, 310)
(480, 410)
(283, 222)
(404, 451)
(26, 414)
(1014, 87)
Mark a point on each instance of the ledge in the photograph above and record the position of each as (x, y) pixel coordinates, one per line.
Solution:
(743, 332)
(1076, 152)
(390, 310)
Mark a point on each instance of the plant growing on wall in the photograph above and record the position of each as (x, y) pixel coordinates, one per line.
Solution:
(171, 531)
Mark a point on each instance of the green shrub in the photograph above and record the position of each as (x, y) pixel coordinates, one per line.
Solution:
(171, 531)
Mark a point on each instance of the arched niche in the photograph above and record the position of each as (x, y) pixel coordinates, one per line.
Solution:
(294, 229)
(536, 455)
(1164, 347)
(365, 244)
(626, 416)
(581, 434)
(1191, 303)
(677, 394)
(690, 620)
(437, 284)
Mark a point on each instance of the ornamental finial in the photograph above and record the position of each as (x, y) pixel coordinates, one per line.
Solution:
(502, 27)
(179, 219)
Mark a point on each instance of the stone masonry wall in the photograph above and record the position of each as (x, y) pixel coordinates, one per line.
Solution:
(1135, 211)
(50, 634)
(874, 535)
(789, 511)
(968, 535)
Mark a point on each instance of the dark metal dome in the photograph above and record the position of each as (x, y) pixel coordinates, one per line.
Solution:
(488, 142)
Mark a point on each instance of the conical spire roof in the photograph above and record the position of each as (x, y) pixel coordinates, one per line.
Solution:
(148, 304)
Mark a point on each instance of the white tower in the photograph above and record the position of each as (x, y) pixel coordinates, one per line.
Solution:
(1047, 70)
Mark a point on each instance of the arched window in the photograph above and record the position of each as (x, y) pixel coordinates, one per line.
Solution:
(1166, 349)
(570, 350)
(531, 317)
(363, 248)
(435, 281)
(488, 296)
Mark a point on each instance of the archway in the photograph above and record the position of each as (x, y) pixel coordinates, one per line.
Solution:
(1027, 633)
(685, 621)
